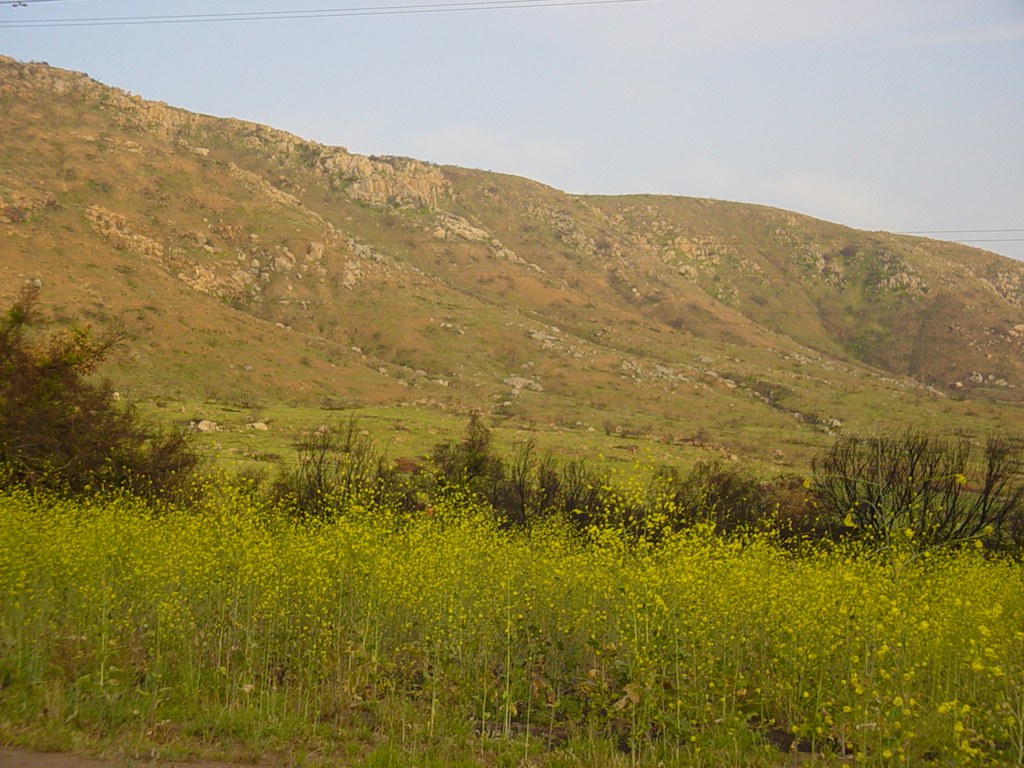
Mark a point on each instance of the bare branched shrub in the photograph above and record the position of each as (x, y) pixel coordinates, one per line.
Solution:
(523, 489)
(530, 487)
(919, 484)
(583, 494)
(338, 467)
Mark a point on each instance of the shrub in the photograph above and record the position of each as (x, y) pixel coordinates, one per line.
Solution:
(471, 461)
(796, 513)
(524, 489)
(919, 484)
(341, 468)
(530, 487)
(716, 492)
(585, 497)
(60, 429)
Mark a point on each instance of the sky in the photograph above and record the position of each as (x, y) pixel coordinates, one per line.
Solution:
(902, 115)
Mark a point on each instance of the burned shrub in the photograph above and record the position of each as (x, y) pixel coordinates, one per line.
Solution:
(921, 486)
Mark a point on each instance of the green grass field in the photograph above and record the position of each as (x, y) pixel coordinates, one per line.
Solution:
(412, 433)
(438, 640)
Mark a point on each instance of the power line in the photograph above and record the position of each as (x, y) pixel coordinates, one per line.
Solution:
(25, 3)
(994, 240)
(386, 10)
(955, 231)
(922, 232)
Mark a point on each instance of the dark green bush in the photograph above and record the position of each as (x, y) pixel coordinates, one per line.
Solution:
(62, 430)
(471, 461)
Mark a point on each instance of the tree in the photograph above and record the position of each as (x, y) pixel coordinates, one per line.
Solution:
(919, 483)
(470, 462)
(61, 429)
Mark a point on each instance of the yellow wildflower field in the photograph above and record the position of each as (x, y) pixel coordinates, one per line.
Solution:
(238, 623)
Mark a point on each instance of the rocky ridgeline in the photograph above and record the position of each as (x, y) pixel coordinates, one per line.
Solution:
(222, 266)
(380, 182)
(376, 181)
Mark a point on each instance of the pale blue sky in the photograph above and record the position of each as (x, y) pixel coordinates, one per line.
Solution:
(879, 114)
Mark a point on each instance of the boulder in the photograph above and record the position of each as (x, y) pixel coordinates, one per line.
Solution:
(520, 383)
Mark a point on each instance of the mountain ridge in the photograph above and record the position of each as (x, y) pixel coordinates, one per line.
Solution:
(226, 246)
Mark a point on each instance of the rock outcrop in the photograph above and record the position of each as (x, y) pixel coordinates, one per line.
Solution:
(377, 181)
(114, 228)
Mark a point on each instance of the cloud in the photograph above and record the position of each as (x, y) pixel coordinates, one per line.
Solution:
(473, 147)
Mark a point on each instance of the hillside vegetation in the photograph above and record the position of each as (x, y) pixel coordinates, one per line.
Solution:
(250, 266)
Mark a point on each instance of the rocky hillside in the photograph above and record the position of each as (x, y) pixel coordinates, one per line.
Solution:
(248, 263)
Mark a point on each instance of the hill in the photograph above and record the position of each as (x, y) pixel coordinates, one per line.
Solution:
(250, 265)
